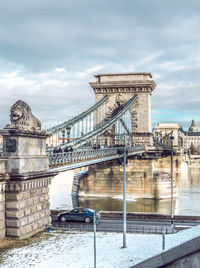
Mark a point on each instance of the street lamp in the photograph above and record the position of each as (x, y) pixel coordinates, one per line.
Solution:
(68, 128)
(63, 136)
(106, 138)
(172, 207)
(124, 153)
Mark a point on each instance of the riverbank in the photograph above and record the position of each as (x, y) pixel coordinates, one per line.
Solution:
(7, 243)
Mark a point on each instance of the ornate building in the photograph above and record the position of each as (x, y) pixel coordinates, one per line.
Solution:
(182, 138)
(164, 129)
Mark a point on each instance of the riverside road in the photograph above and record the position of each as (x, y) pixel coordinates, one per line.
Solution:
(133, 226)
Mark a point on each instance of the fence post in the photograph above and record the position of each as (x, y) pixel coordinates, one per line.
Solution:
(163, 238)
(94, 223)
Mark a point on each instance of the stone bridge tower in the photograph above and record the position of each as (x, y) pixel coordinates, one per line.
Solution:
(122, 87)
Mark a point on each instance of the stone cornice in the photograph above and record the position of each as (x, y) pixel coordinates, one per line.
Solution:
(125, 87)
(9, 131)
(100, 90)
(16, 186)
(119, 74)
(30, 176)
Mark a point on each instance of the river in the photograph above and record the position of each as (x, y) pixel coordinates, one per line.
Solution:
(186, 200)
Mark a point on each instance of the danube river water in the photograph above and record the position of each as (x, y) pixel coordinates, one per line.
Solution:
(186, 200)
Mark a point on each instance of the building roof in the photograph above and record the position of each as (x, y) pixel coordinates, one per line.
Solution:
(167, 125)
(115, 74)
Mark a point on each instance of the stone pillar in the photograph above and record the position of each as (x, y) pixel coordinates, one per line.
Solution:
(27, 207)
(26, 191)
(143, 180)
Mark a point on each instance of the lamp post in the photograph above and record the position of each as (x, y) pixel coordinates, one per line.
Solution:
(172, 190)
(124, 199)
(124, 152)
(94, 223)
(63, 136)
(106, 138)
(68, 128)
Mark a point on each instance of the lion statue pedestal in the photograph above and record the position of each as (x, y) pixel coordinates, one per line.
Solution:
(24, 148)
(24, 143)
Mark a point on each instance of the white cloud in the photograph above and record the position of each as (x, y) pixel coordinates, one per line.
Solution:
(49, 51)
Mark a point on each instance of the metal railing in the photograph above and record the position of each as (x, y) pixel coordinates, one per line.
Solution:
(65, 158)
(100, 130)
(113, 228)
(163, 142)
(77, 118)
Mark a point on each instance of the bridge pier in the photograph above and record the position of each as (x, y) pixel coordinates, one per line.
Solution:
(24, 199)
(145, 179)
(27, 206)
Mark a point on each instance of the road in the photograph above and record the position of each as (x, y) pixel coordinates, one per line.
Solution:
(116, 225)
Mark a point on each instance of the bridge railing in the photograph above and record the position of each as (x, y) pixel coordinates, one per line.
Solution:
(65, 158)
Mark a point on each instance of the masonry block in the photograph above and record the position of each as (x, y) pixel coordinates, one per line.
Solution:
(27, 211)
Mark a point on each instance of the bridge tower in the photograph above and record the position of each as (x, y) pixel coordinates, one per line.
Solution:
(120, 88)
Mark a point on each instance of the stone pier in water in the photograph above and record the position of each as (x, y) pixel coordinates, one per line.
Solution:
(146, 178)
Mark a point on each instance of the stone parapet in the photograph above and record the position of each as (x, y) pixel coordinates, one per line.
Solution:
(184, 255)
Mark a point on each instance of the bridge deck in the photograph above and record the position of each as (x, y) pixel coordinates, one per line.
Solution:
(64, 166)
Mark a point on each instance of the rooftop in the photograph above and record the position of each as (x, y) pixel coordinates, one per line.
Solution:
(167, 125)
(123, 76)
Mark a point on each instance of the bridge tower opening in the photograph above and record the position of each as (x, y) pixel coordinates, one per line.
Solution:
(120, 88)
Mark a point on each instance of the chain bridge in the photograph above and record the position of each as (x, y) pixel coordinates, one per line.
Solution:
(120, 117)
(118, 123)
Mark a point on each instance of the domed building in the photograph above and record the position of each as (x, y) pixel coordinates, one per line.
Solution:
(182, 138)
(193, 127)
(190, 137)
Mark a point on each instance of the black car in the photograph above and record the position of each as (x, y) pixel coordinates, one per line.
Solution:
(78, 214)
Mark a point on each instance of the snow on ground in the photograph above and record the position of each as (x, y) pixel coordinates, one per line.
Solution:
(75, 250)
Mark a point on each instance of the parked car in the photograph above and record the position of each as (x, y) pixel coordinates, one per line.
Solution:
(78, 214)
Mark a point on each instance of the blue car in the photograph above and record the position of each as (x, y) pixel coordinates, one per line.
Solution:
(78, 214)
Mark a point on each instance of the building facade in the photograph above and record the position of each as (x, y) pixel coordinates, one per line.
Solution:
(182, 138)
(191, 137)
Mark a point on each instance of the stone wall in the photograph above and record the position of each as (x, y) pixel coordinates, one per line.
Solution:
(27, 207)
(185, 255)
(145, 179)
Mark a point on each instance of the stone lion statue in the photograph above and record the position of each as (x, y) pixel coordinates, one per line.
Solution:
(22, 117)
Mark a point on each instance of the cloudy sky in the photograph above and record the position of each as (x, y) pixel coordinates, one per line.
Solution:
(50, 50)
